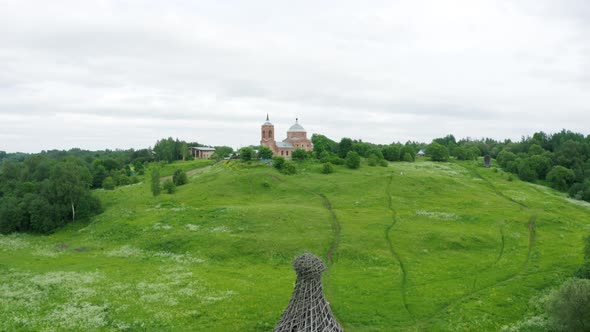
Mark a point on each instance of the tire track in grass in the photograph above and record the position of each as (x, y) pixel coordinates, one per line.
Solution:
(531, 225)
(392, 250)
(336, 229)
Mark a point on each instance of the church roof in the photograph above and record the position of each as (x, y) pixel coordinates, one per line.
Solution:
(267, 122)
(285, 145)
(296, 127)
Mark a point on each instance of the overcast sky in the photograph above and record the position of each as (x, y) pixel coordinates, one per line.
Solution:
(121, 74)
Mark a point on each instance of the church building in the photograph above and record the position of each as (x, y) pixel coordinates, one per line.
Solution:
(296, 139)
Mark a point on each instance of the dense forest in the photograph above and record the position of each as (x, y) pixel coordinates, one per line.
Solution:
(44, 191)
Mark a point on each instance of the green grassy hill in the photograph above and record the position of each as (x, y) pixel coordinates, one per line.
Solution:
(411, 247)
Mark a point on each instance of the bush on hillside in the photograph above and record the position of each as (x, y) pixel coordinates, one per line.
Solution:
(277, 162)
(353, 160)
(569, 306)
(288, 168)
(299, 154)
(246, 154)
(561, 178)
(108, 183)
(372, 160)
(169, 186)
(383, 163)
(264, 153)
(327, 168)
(179, 178)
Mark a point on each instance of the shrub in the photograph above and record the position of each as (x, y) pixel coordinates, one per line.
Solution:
(299, 154)
(327, 168)
(353, 160)
(288, 168)
(265, 153)
(155, 181)
(372, 160)
(108, 183)
(169, 186)
(179, 178)
(277, 162)
(569, 305)
(383, 163)
(246, 154)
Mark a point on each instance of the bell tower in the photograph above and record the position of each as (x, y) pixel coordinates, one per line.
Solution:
(267, 134)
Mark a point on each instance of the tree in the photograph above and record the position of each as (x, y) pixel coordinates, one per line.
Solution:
(372, 160)
(525, 171)
(169, 186)
(179, 177)
(438, 152)
(246, 154)
(184, 151)
(265, 153)
(569, 306)
(408, 153)
(299, 154)
(70, 179)
(353, 160)
(560, 177)
(391, 152)
(155, 181)
(323, 144)
(223, 151)
(344, 147)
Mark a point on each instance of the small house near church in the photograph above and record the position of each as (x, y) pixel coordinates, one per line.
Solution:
(199, 152)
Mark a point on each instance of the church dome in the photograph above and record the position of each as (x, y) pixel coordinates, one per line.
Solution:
(296, 128)
(267, 122)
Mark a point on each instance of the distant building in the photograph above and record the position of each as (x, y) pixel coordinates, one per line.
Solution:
(296, 139)
(421, 153)
(199, 152)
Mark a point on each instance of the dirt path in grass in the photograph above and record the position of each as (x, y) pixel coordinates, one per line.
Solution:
(392, 250)
(188, 173)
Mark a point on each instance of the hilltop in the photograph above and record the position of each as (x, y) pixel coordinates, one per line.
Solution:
(413, 246)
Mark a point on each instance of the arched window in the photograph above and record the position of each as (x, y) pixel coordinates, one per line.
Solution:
(287, 153)
(264, 134)
(269, 133)
(282, 152)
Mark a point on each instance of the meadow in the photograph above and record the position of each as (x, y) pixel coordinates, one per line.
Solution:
(410, 247)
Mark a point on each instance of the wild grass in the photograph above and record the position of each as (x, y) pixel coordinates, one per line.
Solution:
(216, 255)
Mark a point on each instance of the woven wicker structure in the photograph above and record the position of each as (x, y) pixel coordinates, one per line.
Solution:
(308, 309)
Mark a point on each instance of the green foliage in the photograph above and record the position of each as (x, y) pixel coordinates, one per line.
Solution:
(383, 163)
(265, 153)
(344, 147)
(278, 162)
(169, 186)
(526, 171)
(288, 168)
(223, 151)
(408, 153)
(179, 177)
(392, 152)
(353, 160)
(246, 154)
(108, 183)
(560, 177)
(327, 168)
(569, 306)
(372, 160)
(299, 154)
(438, 152)
(155, 181)
(323, 144)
